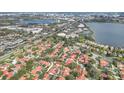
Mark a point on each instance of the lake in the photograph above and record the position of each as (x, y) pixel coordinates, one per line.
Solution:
(108, 33)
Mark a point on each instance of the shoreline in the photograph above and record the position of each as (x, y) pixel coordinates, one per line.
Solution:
(103, 45)
(93, 37)
(104, 22)
(92, 33)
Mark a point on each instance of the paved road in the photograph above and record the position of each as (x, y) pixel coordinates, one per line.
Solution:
(2, 58)
(5, 56)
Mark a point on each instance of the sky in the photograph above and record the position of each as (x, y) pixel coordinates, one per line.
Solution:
(61, 5)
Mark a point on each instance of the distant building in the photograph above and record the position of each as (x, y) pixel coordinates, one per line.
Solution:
(61, 34)
(81, 25)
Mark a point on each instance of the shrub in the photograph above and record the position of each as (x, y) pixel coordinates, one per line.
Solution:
(74, 73)
(70, 77)
(72, 65)
(29, 65)
(1, 73)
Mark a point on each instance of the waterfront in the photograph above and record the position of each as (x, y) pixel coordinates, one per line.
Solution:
(108, 33)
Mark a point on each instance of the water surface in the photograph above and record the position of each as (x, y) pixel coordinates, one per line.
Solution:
(108, 33)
